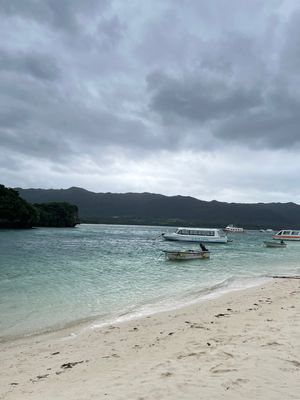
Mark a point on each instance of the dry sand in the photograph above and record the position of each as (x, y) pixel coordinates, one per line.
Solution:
(244, 345)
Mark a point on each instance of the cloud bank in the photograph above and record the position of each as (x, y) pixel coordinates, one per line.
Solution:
(176, 97)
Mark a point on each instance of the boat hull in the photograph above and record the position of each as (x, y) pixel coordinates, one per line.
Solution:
(196, 239)
(274, 244)
(286, 237)
(287, 234)
(185, 255)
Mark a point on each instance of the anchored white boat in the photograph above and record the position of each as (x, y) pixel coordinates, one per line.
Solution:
(207, 235)
(184, 255)
(287, 234)
(232, 228)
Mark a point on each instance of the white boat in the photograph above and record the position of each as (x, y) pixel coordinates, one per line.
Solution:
(266, 230)
(184, 255)
(275, 244)
(287, 234)
(207, 235)
(232, 228)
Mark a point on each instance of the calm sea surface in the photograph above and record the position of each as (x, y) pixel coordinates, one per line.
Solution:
(50, 278)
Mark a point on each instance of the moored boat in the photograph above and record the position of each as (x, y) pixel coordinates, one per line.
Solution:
(287, 234)
(274, 244)
(232, 228)
(207, 235)
(183, 255)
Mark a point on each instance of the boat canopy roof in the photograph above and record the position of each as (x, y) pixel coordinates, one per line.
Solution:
(200, 231)
(288, 232)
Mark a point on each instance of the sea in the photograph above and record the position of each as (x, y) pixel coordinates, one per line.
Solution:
(53, 278)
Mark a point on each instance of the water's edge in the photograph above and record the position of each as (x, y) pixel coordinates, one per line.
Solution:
(76, 327)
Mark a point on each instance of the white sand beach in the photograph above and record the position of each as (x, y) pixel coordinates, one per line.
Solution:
(243, 345)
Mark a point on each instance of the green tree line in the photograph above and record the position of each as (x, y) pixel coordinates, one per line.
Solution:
(15, 212)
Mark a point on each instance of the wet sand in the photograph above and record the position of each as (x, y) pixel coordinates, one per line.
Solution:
(245, 344)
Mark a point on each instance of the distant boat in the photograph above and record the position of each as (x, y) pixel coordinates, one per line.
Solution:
(274, 244)
(286, 234)
(207, 235)
(183, 255)
(266, 230)
(232, 228)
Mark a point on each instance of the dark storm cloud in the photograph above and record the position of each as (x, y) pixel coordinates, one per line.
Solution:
(290, 56)
(242, 89)
(257, 116)
(51, 103)
(56, 129)
(274, 125)
(37, 65)
(65, 15)
(39, 120)
(110, 31)
(263, 130)
(196, 99)
(89, 76)
(11, 119)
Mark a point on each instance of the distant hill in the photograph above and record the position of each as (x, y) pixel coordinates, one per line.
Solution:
(157, 209)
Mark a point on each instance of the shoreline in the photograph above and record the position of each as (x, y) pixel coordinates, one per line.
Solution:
(244, 343)
(96, 322)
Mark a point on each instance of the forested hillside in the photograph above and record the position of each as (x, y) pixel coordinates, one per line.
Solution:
(157, 209)
(15, 212)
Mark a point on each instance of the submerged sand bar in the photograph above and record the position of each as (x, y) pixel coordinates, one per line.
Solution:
(244, 345)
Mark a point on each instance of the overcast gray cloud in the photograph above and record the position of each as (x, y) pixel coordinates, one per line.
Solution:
(36, 65)
(143, 96)
(67, 15)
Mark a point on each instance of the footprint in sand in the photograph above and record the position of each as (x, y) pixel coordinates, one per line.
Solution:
(271, 344)
(294, 362)
(181, 356)
(237, 382)
(166, 374)
(222, 370)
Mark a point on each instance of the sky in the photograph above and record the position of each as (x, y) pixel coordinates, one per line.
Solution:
(179, 97)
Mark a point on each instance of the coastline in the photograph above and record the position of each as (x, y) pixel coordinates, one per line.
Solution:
(156, 307)
(244, 343)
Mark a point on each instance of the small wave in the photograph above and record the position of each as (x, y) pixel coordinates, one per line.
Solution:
(210, 292)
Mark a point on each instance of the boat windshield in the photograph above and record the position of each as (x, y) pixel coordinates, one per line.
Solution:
(291, 233)
(195, 232)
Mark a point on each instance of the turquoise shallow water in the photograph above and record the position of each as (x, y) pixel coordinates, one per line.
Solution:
(53, 277)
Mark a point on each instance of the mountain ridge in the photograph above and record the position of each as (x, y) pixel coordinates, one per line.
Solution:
(157, 209)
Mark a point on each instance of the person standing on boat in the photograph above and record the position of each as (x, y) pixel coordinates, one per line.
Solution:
(203, 248)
